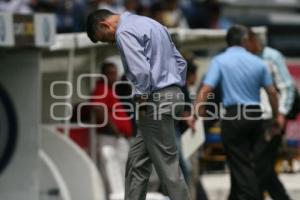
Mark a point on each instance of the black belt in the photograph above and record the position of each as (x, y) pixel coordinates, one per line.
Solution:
(156, 91)
(169, 86)
(251, 110)
(242, 106)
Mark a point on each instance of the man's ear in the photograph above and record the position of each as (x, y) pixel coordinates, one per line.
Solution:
(103, 24)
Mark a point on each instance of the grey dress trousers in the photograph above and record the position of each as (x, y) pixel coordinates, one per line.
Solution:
(155, 144)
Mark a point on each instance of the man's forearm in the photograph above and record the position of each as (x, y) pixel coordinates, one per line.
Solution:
(201, 99)
(274, 104)
(273, 100)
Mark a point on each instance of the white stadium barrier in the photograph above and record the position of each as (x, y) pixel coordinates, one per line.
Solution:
(77, 170)
(50, 179)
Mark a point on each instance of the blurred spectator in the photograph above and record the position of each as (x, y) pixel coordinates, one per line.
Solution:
(16, 6)
(46, 6)
(144, 11)
(183, 125)
(174, 15)
(125, 90)
(168, 13)
(190, 81)
(207, 14)
(196, 14)
(116, 60)
(111, 5)
(216, 20)
(118, 127)
(70, 15)
(131, 5)
(270, 142)
(191, 172)
(158, 13)
(115, 126)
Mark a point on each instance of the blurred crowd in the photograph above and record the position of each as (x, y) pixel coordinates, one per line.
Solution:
(71, 14)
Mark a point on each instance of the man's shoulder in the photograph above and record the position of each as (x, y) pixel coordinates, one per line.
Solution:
(223, 56)
(252, 57)
(135, 22)
(139, 19)
(255, 57)
(245, 55)
(269, 52)
(220, 56)
(268, 49)
(258, 62)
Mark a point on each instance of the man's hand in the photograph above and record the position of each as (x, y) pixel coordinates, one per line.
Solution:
(281, 120)
(201, 112)
(279, 124)
(191, 121)
(201, 99)
(140, 99)
(142, 109)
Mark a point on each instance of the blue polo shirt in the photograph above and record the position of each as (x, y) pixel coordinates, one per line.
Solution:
(240, 75)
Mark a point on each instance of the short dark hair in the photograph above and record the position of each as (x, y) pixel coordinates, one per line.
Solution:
(236, 34)
(252, 34)
(93, 18)
(191, 68)
(106, 66)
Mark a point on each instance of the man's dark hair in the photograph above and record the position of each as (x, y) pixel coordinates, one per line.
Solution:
(236, 34)
(191, 68)
(252, 34)
(106, 66)
(92, 20)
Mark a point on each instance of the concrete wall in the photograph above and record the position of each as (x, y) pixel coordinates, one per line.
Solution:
(19, 75)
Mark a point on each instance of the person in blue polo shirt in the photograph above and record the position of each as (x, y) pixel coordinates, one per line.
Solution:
(241, 75)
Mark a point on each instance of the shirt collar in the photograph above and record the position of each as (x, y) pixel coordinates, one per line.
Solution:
(123, 16)
(235, 48)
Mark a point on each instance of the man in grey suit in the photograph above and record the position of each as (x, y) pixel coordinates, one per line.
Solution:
(157, 70)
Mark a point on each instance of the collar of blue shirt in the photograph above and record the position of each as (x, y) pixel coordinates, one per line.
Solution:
(122, 18)
(235, 48)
